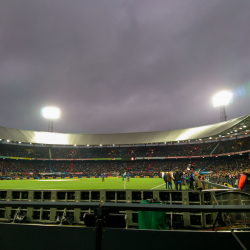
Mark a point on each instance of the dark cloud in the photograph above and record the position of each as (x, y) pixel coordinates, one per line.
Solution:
(121, 66)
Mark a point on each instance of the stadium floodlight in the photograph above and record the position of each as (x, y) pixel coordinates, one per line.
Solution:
(222, 99)
(51, 113)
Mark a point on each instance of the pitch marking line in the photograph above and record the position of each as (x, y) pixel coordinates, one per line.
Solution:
(158, 186)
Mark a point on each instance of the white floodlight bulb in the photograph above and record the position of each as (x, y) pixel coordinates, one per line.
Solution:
(244, 126)
(51, 112)
(222, 98)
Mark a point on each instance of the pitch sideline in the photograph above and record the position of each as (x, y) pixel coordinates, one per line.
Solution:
(158, 186)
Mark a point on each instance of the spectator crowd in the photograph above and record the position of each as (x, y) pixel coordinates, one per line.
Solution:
(216, 167)
(47, 152)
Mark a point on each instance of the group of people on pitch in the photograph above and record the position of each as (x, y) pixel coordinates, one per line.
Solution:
(180, 179)
(189, 178)
(124, 176)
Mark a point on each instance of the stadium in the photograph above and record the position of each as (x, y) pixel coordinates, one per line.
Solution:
(108, 137)
(86, 182)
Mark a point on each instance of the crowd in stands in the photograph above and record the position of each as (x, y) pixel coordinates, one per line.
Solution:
(220, 147)
(230, 167)
(23, 151)
(233, 146)
(220, 167)
(226, 168)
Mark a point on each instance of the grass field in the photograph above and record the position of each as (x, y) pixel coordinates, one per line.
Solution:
(85, 184)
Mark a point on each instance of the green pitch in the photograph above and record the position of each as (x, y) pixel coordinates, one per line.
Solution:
(86, 184)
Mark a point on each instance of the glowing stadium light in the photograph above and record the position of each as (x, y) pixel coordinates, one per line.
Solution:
(51, 112)
(244, 126)
(222, 98)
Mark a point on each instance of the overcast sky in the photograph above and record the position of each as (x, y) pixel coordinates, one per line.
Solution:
(122, 66)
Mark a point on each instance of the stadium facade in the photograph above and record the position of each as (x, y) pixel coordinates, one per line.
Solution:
(231, 129)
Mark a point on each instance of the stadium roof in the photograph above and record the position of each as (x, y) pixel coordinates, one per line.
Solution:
(234, 127)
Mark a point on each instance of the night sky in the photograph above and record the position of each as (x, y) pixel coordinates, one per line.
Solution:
(116, 66)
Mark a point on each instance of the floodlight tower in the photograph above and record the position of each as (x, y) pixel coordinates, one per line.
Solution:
(51, 113)
(221, 100)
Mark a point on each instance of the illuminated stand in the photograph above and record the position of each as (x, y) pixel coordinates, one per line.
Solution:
(221, 100)
(51, 113)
